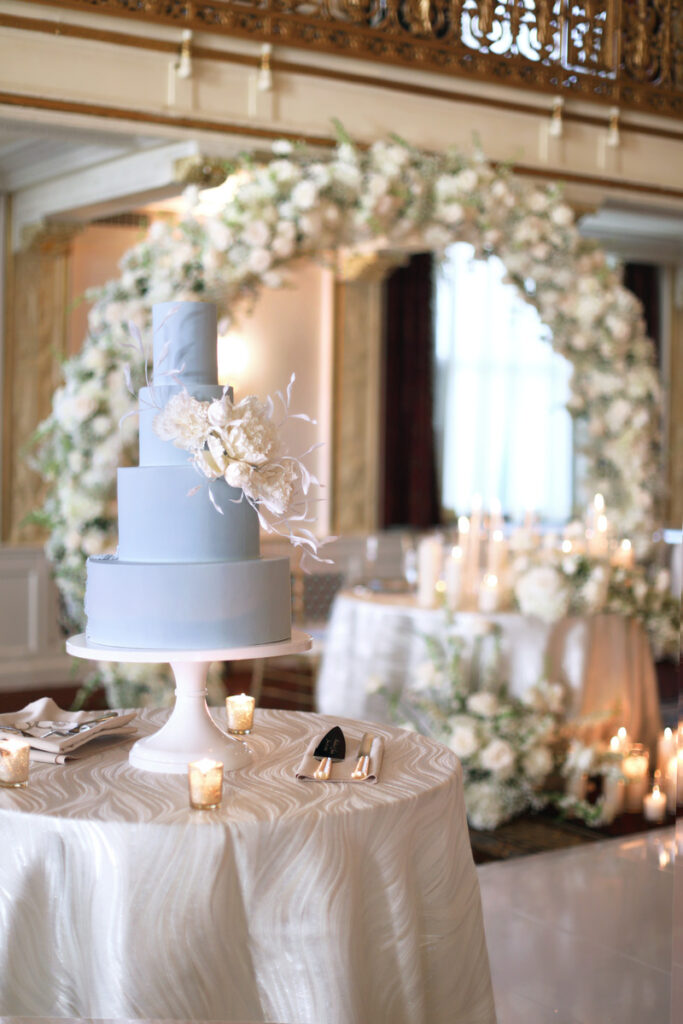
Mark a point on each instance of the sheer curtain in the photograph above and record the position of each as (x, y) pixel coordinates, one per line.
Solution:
(502, 430)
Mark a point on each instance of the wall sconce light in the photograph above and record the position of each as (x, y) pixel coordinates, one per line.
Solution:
(183, 68)
(613, 129)
(264, 81)
(556, 126)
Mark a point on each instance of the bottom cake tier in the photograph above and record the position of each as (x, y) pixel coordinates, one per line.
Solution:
(187, 605)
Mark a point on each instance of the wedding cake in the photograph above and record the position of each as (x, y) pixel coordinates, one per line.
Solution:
(185, 576)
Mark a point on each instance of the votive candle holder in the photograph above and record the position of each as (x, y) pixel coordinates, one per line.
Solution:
(205, 781)
(240, 711)
(635, 768)
(14, 762)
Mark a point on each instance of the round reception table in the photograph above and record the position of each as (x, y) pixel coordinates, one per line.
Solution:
(294, 901)
(604, 661)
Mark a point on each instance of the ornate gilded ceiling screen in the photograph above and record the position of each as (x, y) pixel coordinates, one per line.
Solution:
(624, 52)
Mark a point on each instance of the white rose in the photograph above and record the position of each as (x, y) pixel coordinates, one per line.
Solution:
(220, 235)
(537, 762)
(426, 676)
(304, 195)
(562, 216)
(281, 147)
(282, 247)
(463, 740)
(259, 260)
(94, 359)
(484, 704)
(256, 234)
(498, 757)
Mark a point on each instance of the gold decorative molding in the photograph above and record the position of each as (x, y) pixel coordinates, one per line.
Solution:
(618, 52)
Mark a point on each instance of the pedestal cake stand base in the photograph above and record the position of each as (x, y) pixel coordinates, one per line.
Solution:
(190, 733)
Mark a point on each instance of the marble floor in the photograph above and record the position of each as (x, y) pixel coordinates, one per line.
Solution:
(583, 935)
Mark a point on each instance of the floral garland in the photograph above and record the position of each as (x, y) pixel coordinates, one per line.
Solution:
(550, 583)
(388, 195)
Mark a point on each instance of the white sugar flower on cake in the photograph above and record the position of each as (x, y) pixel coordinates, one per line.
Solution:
(242, 443)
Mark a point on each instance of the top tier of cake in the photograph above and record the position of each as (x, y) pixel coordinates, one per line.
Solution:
(184, 346)
(184, 340)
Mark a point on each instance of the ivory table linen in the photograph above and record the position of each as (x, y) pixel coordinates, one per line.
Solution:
(293, 902)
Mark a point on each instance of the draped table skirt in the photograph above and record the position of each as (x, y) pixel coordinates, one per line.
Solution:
(605, 661)
(294, 902)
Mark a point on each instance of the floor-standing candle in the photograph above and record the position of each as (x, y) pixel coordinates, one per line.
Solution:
(454, 565)
(635, 768)
(654, 805)
(488, 593)
(666, 748)
(13, 762)
(205, 781)
(240, 711)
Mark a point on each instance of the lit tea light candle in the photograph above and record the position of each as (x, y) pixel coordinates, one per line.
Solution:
(488, 593)
(635, 768)
(240, 709)
(205, 781)
(14, 762)
(654, 805)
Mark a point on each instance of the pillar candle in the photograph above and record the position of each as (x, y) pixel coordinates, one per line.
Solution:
(654, 805)
(671, 784)
(623, 556)
(635, 769)
(429, 557)
(454, 566)
(666, 749)
(474, 544)
(496, 553)
(488, 593)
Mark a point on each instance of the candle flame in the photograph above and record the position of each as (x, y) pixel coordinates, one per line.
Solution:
(599, 503)
(566, 546)
(621, 732)
(463, 524)
(601, 524)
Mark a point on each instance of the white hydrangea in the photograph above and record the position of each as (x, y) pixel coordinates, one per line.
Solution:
(463, 739)
(542, 592)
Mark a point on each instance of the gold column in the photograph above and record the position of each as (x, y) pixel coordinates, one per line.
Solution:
(37, 292)
(358, 398)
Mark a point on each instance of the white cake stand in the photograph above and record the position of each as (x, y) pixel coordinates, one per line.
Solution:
(190, 733)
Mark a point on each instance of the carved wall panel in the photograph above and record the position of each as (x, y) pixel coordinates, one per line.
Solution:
(623, 52)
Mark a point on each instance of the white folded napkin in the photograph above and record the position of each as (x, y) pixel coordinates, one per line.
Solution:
(341, 770)
(41, 716)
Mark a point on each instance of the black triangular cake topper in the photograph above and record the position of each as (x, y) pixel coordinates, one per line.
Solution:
(332, 745)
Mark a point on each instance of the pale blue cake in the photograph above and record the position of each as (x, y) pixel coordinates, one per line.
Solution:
(184, 576)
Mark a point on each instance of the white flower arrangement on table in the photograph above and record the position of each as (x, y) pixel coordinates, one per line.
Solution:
(296, 205)
(549, 583)
(243, 444)
(507, 747)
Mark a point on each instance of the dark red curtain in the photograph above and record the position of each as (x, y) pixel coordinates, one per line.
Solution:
(410, 491)
(643, 280)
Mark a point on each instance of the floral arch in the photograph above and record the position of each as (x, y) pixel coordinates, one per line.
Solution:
(295, 205)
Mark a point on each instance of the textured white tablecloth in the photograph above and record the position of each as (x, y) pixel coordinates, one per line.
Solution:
(294, 902)
(604, 660)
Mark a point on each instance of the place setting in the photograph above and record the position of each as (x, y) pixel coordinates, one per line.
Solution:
(43, 732)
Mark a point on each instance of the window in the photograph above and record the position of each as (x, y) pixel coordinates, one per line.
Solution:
(501, 427)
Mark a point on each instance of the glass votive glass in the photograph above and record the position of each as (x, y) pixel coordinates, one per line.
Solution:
(14, 762)
(205, 781)
(240, 711)
(635, 768)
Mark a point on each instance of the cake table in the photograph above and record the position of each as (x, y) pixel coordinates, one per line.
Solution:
(190, 733)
